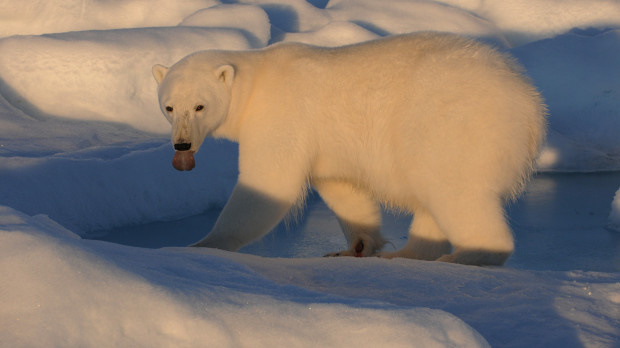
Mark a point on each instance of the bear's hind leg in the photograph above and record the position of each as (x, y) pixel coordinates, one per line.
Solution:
(426, 241)
(359, 217)
(477, 229)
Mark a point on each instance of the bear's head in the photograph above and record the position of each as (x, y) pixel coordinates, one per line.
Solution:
(194, 96)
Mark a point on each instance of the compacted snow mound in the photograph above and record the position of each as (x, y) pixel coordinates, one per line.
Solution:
(333, 34)
(524, 21)
(579, 76)
(110, 186)
(101, 75)
(404, 16)
(59, 290)
(26, 17)
(293, 15)
(250, 18)
(614, 214)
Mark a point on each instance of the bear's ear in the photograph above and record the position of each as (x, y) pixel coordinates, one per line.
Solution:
(226, 74)
(159, 71)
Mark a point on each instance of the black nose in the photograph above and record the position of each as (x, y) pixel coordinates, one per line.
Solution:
(182, 146)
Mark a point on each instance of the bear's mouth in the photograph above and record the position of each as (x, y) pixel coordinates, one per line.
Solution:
(183, 160)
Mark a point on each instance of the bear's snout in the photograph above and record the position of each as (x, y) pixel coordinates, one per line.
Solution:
(182, 146)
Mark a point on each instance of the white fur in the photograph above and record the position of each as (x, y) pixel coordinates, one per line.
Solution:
(434, 124)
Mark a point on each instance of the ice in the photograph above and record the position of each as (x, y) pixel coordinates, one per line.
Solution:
(64, 291)
(579, 76)
(614, 214)
(335, 33)
(403, 16)
(250, 18)
(100, 75)
(33, 17)
(292, 15)
(60, 290)
(524, 21)
(107, 186)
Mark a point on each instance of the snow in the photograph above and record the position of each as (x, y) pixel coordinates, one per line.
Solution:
(523, 21)
(106, 69)
(85, 152)
(64, 291)
(253, 20)
(34, 17)
(402, 16)
(579, 75)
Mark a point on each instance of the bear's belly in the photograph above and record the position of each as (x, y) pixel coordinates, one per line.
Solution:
(380, 177)
(331, 167)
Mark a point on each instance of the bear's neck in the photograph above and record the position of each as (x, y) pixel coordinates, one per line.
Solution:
(246, 65)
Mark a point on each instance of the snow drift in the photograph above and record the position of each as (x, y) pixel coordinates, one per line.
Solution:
(64, 291)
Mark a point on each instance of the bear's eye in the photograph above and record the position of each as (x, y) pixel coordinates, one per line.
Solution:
(199, 107)
(169, 108)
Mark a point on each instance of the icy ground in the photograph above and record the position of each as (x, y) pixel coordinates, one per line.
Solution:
(84, 153)
(560, 224)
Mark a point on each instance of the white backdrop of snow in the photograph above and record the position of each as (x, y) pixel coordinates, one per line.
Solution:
(33, 17)
(100, 75)
(82, 140)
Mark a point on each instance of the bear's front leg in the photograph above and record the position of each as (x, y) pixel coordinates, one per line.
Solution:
(248, 216)
(271, 180)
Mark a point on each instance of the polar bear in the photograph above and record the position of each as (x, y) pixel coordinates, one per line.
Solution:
(434, 124)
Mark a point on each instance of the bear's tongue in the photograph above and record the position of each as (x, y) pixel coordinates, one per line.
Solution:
(183, 160)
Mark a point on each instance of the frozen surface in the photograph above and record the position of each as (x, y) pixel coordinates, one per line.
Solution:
(250, 19)
(579, 75)
(60, 290)
(100, 75)
(84, 151)
(560, 224)
(27, 17)
(110, 294)
(523, 21)
(398, 17)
